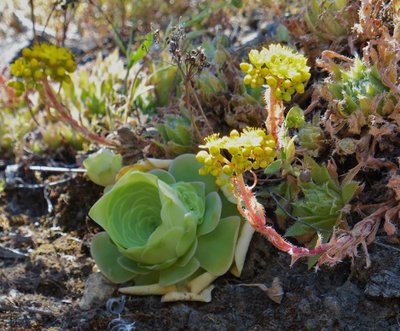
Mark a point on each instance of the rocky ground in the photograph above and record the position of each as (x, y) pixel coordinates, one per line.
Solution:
(45, 266)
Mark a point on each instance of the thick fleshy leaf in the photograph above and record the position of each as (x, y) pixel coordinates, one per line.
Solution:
(106, 254)
(130, 211)
(228, 208)
(188, 255)
(164, 175)
(216, 249)
(242, 246)
(173, 210)
(185, 168)
(102, 166)
(177, 273)
(159, 248)
(212, 214)
(189, 237)
(140, 268)
(192, 195)
(148, 279)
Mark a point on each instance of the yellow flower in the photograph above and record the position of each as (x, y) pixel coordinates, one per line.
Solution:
(44, 60)
(239, 152)
(280, 67)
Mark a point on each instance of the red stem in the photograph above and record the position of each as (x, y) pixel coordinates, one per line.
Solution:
(275, 116)
(254, 213)
(66, 116)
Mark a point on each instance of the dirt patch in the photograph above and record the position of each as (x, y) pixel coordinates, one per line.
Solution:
(43, 282)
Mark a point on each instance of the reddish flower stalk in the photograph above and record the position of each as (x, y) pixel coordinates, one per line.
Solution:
(254, 213)
(342, 244)
(275, 114)
(66, 116)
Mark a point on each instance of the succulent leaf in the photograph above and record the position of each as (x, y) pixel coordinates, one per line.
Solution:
(322, 202)
(164, 232)
(222, 240)
(103, 166)
(105, 254)
(356, 88)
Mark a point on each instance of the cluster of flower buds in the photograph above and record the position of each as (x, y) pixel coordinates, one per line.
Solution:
(280, 67)
(234, 154)
(40, 61)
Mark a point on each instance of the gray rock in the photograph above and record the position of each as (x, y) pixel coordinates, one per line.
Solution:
(349, 296)
(332, 304)
(97, 291)
(304, 306)
(311, 325)
(385, 284)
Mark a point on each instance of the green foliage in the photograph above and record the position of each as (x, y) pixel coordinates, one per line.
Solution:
(161, 228)
(284, 160)
(311, 137)
(328, 19)
(103, 166)
(141, 51)
(176, 131)
(322, 202)
(14, 125)
(164, 80)
(212, 82)
(358, 88)
(294, 118)
(97, 96)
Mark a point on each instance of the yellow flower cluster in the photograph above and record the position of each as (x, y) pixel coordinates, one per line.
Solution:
(234, 154)
(44, 60)
(280, 67)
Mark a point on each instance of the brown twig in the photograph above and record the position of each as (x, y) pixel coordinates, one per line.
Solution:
(33, 19)
(65, 115)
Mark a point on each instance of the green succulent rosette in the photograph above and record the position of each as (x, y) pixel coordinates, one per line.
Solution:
(359, 88)
(164, 227)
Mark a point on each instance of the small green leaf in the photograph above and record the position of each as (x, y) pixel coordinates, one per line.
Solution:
(273, 167)
(141, 52)
(164, 175)
(348, 191)
(295, 118)
(237, 3)
(185, 168)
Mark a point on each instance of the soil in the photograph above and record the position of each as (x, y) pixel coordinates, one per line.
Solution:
(46, 264)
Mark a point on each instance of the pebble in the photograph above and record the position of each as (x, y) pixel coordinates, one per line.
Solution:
(332, 304)
(304, 306)
(384, 284)
(97, 291)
